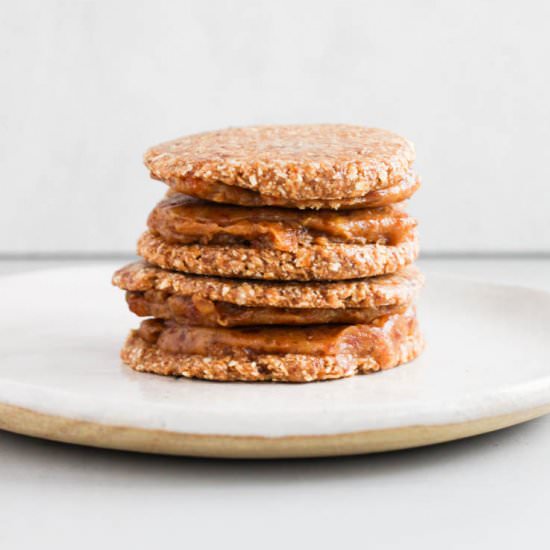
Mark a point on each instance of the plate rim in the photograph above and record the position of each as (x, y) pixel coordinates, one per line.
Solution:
(34, 424)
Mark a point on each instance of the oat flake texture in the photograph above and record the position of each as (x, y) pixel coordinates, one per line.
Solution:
(309, 263)
(302, 162)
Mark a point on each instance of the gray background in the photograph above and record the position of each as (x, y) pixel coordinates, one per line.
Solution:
(86, 87)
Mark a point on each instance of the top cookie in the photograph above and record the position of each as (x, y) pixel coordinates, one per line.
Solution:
(326, 161)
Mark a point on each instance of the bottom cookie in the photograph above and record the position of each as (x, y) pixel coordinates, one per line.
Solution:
(389, 343)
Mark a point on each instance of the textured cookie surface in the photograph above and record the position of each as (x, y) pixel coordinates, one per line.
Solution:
(385, 290)
(328, 161)
(397, 344)
(330, 262)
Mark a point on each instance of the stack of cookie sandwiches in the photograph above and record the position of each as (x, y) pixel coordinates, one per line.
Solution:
(280, 253)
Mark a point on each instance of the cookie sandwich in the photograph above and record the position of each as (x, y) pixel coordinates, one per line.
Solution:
(280, 253)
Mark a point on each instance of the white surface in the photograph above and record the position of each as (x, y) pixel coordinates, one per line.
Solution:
(488, 492)
(85, 87)
(486, 356)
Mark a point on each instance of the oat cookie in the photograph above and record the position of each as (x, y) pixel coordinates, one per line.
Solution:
(300, 162)
(385, 290)
(318, 262)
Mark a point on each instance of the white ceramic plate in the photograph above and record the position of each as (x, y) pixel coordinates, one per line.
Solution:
(486, 366)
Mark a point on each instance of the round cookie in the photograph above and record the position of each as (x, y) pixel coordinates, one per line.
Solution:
(325, 161)
(395, 342)
(317, 262)
(385, 290)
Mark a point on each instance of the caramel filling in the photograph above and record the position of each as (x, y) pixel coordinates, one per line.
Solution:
(194, 310)
(379, 339)
(183, 220)
(231, 194)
